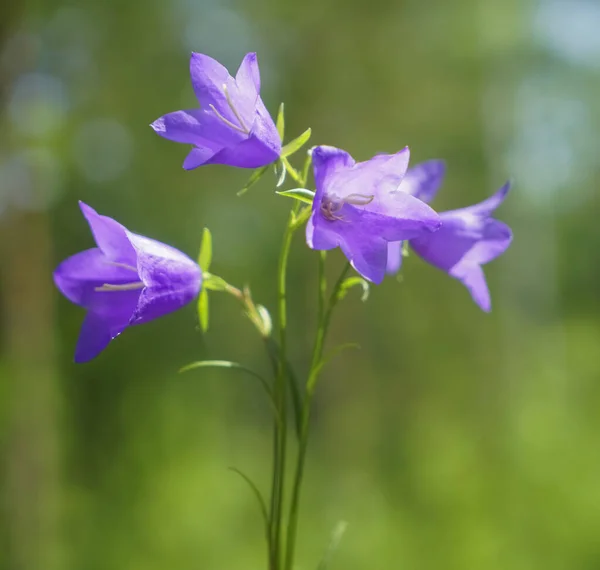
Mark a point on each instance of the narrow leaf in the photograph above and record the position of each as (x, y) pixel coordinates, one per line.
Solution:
(205, 256)
(354, 282)
(235, 366)
(295, 145)
(334, 543)
(254, 178)
(261, 502)
(334, 352)
(203, 310)
(280, 122)
(303, 194)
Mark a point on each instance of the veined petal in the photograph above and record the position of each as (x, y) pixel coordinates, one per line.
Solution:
(172, 279)
(213, 85)
(248, 75)
(197, 157)
(487, 207)
(327, 162)
(78, 276)
(473, 278)
(200, 127)
(103, 325)
(253, 152)
(424, 180)
(110, 236)
(367, 252)
(378, 177)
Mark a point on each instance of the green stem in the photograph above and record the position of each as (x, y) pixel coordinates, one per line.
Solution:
(280, 389)
(324, 315)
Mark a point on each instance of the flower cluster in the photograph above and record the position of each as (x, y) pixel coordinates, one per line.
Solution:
(367, 209)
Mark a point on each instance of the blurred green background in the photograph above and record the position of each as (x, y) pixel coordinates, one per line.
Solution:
(453, 439)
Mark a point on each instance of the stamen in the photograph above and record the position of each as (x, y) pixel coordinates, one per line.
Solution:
(359, 199)
(237, 115)
(123, 287)
(228, 123)
(123, 265)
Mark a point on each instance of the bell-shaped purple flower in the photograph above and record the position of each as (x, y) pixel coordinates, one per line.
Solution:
(127, 280)
(232, 125)
(469, 237)
(358, 207)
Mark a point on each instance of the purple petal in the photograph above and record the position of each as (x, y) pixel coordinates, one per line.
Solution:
(424, 180)
(473, 279)
(394, 257)
(110, 236)
(78, 276)
(251, 153)
(202, 128)
(197, 157)
(248, 75)
(468, 239)
(172, 279)
(487, 207)
(211, 80)
(100, 327)
(366, 251)
(378, 177)
(327, 161)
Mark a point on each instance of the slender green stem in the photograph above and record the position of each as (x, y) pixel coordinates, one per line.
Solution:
(280, 395)
(324, 314)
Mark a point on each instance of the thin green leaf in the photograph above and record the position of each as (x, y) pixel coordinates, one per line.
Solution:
(227, 364)
(334, 543)
(280, 122)
(303, 194)
(254, 178)
(205, 256)
(261, 502)
(203, 310)
(274, 354)
(334, 352)
(354, 282)
(295, 145)
(306, 167)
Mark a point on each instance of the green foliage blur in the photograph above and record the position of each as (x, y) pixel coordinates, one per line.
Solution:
(453, 439)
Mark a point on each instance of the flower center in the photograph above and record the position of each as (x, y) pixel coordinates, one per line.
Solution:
(330, 205)
(122, 286)
(242, 128)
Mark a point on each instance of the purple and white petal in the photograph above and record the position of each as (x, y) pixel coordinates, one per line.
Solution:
(109, 235)
(424, 180)
(394, 257)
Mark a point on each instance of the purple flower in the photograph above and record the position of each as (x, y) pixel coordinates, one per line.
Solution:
(127, 280)
(358, 207)
(232, 126)
(468, 238)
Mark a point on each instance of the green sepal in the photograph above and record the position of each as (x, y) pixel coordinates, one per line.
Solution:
(203, 309)
(212, 282)
(205, 255)
(265, 317)
(303, 194)
(280, 122)
(280, 175)
(295, 145)
(254, 178)
(354, 282)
